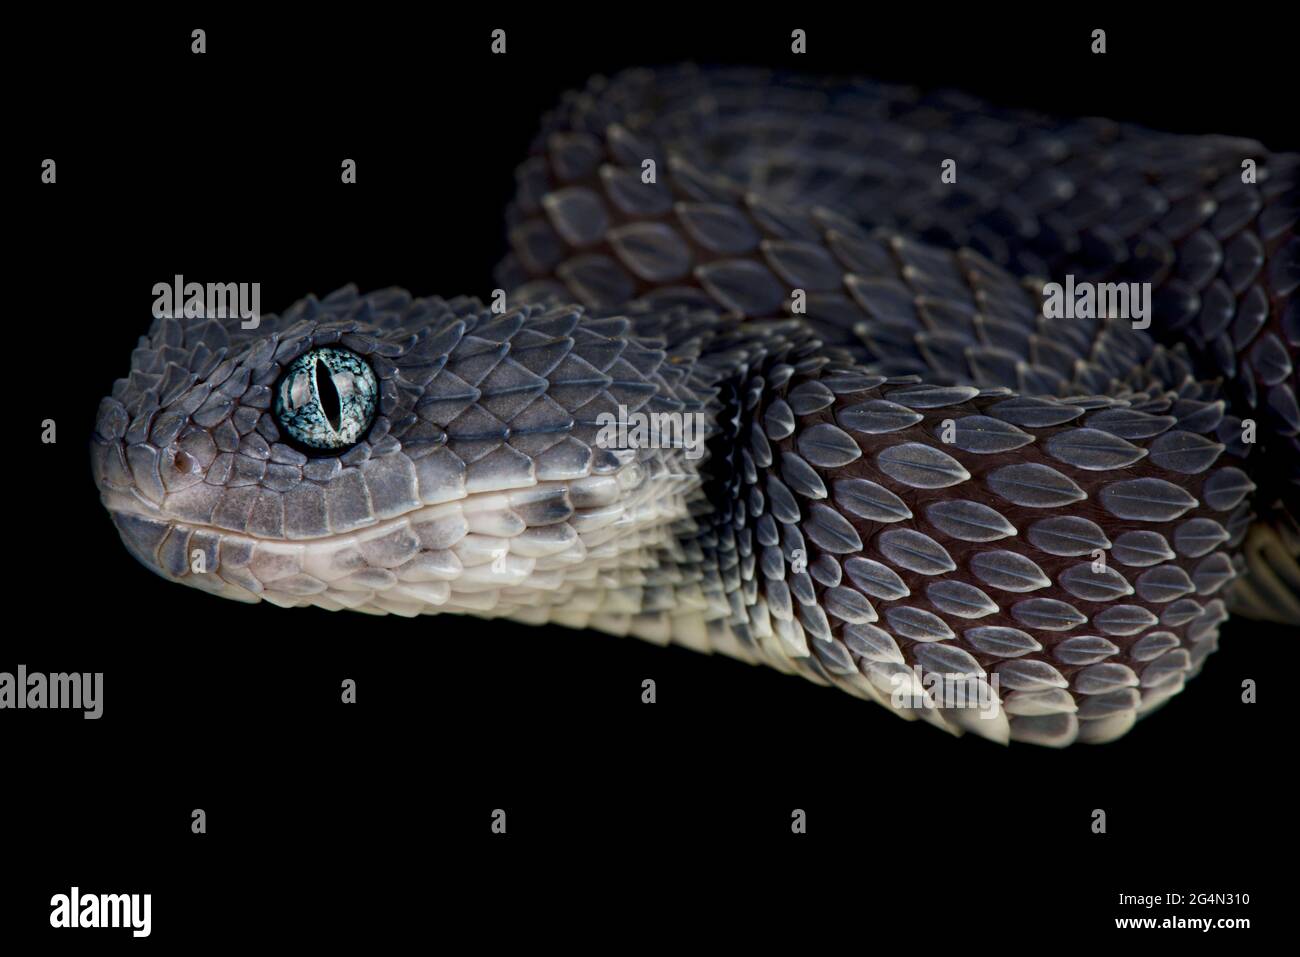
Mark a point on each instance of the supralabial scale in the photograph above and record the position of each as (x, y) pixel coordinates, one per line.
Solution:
(918, 470)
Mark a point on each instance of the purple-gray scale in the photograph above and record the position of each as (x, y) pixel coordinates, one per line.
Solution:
(904, 460)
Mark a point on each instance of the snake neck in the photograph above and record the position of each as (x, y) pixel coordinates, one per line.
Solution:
(765, 185)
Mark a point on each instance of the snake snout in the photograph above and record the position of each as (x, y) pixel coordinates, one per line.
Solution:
(134, 480)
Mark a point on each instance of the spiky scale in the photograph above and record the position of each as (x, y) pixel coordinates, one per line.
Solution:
(751, 535)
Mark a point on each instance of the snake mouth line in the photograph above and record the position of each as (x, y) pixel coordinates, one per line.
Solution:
(378, 529)
(451, 555)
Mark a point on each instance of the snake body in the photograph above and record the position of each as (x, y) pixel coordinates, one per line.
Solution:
(909, 469)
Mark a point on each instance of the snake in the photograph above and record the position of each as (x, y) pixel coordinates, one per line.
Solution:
(856, 443)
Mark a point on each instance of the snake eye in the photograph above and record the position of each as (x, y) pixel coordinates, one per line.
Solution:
(326, 399)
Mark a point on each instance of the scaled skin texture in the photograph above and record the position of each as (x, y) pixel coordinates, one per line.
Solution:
(909, 471)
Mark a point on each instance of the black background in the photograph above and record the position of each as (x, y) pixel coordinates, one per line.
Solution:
(625, 821)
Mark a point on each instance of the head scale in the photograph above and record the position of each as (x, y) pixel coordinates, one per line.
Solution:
(401, 455)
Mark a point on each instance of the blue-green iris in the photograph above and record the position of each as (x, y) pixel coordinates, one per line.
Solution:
(326, 399)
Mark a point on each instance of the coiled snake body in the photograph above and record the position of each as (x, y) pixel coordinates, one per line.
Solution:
(908, 464)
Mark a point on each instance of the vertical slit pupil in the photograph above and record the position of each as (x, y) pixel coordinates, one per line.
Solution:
(329, 396)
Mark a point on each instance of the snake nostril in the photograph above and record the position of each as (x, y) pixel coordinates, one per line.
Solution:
(184, 462)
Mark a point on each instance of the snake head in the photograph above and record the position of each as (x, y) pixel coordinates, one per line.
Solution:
(388, 454)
